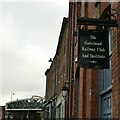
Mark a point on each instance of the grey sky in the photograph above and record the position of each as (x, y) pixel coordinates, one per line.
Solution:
(29, 33)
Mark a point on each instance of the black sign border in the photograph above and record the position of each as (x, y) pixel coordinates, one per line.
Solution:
(105, 65)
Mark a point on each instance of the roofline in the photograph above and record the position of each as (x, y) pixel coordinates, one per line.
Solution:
(65, 20)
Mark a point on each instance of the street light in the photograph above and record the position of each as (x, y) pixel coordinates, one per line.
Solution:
(64, 94)
(50, 60)
(64, 91)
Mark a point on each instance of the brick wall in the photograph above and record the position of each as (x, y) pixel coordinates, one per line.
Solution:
(61, 58)
(83, 98)
(0, 112)
(87, 81)
(86, 84)
(116, 66)
(57, 73)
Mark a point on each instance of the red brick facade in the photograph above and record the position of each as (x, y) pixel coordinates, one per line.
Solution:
(85, 98)
(116, 66)
(86, 85)
(56, 76)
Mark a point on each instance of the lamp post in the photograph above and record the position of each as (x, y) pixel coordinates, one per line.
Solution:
(64, 93)
(12, 93)
(65, 89)
(50, 60)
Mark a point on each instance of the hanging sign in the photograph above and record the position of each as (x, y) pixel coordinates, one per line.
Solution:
(93, 49)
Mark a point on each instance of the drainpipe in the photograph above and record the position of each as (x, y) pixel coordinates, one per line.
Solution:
(69, 57)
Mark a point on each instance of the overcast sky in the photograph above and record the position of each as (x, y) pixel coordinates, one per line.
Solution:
(29, 33)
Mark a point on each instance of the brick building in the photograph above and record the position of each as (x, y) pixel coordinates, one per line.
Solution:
(2, 112)
(95, 92)
(56, 75)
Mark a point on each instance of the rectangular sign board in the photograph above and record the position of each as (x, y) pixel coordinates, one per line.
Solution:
(93, 49)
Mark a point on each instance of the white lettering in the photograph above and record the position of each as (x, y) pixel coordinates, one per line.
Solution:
(92, 37)
(93, 43)
(85, 55)
(88, 49)
(100, 50)
(97, 56)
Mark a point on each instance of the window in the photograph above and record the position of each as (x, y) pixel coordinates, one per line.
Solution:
(106, 74)
(105, 116)
(109, 115)
(105, 103)
(109, 102)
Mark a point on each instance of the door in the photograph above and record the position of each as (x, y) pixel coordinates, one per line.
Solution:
(107, 105)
